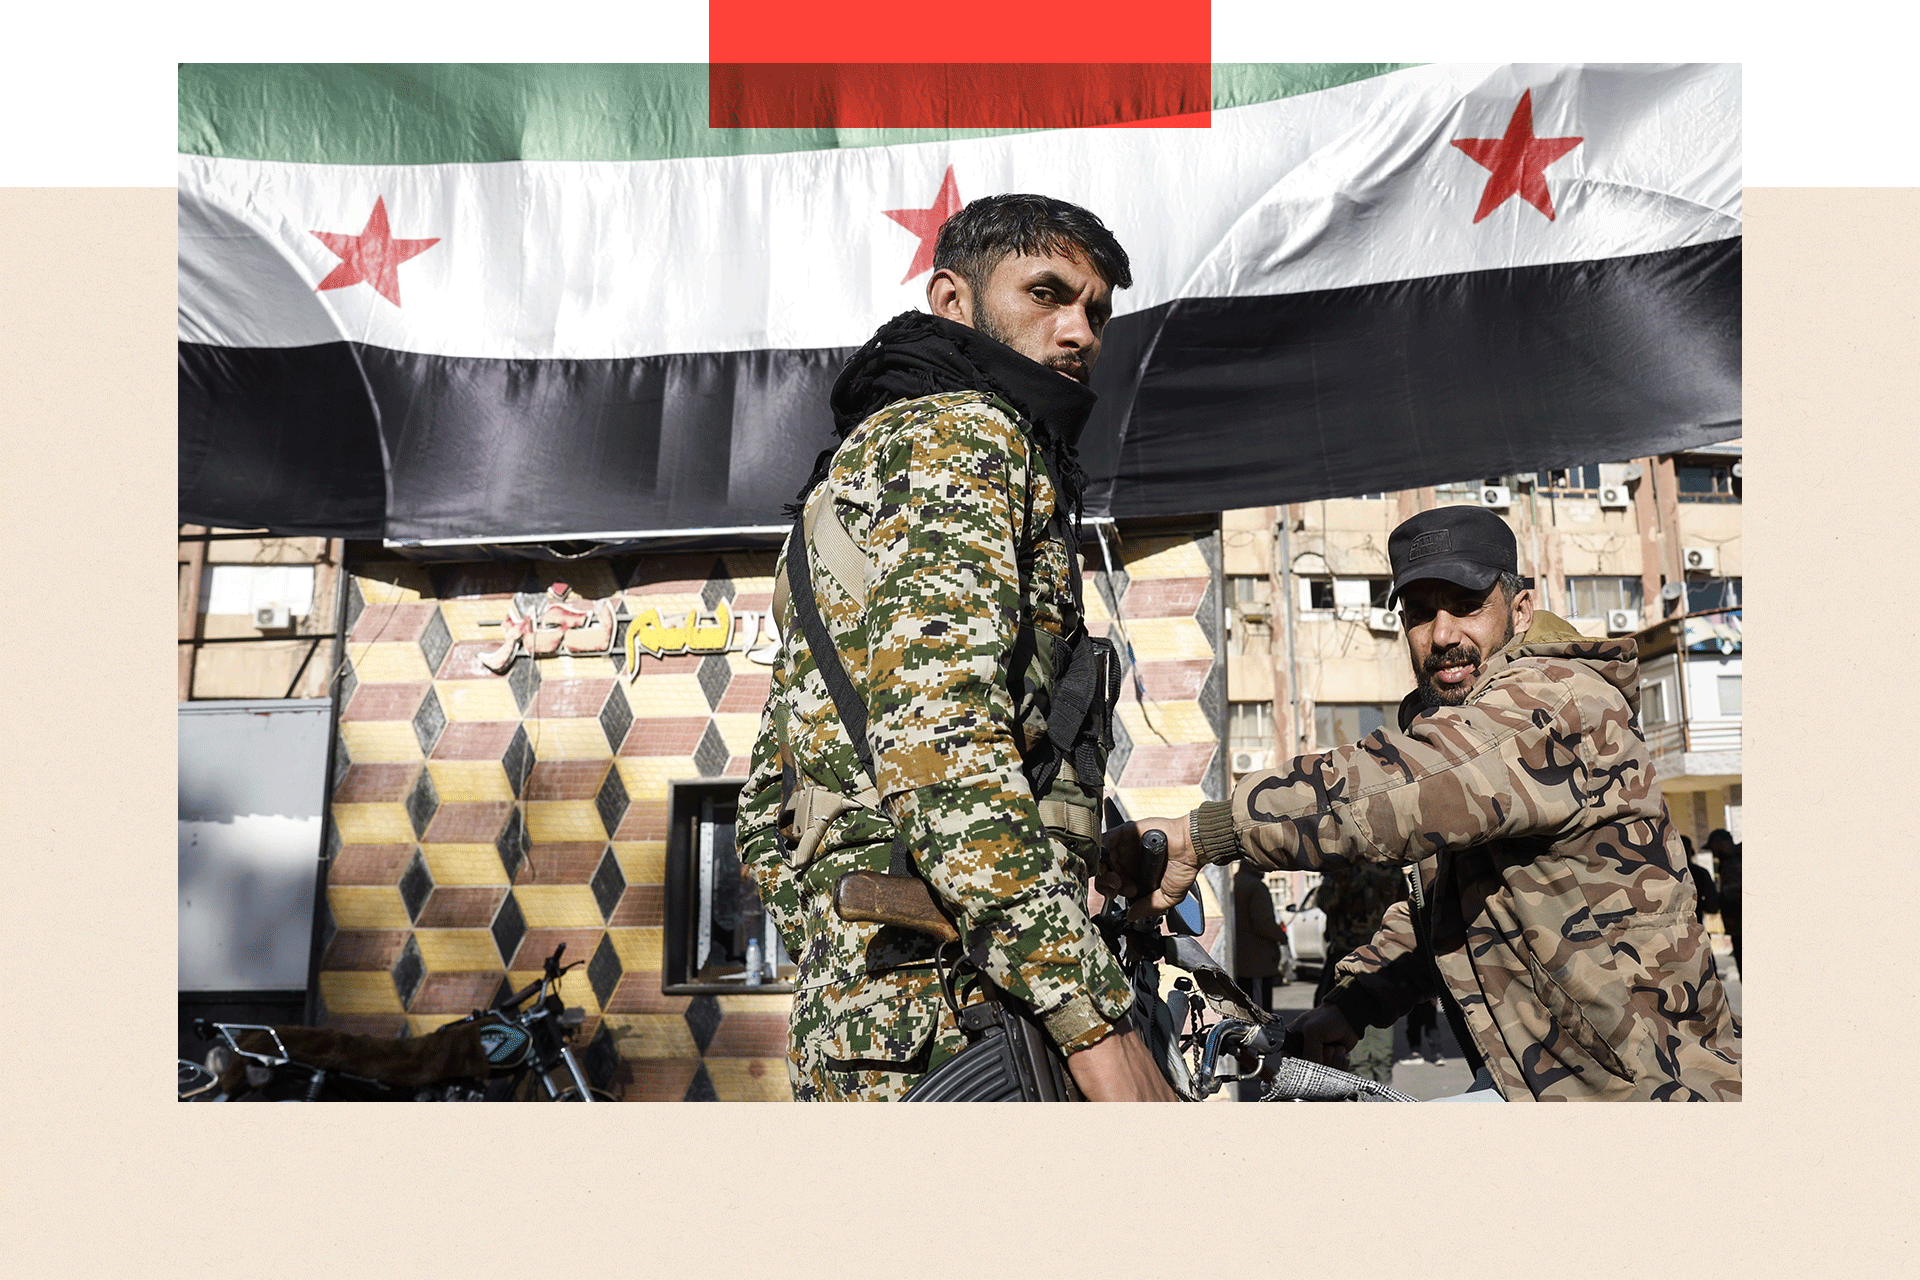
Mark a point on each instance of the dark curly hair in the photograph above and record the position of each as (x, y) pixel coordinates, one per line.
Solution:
(975, 240)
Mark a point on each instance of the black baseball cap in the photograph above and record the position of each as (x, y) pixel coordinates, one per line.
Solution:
(1467, 545)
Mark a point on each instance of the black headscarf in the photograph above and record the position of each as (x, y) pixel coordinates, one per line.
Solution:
(916, 354)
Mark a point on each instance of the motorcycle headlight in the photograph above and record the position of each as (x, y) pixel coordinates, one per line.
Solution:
(219, 1059)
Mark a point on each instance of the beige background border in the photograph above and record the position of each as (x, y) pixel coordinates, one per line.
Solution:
(104, 1174)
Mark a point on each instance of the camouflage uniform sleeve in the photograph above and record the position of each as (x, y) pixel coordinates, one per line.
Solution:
(757, 824)
(943, 609)
(1514, 763)
(1380, 981)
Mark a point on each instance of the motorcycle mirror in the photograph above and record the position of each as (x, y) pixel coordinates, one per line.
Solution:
(1188, 918)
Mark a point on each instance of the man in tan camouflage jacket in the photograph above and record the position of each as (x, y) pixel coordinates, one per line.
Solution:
(954, 486)
(1554, 914)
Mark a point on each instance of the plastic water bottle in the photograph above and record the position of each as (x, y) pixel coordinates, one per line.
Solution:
(754, 963)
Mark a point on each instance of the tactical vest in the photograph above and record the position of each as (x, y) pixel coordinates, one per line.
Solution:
(1062, 688)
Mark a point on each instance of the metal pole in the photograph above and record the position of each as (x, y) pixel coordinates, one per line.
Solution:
(1293, 670)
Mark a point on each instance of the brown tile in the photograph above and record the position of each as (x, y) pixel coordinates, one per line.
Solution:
(656, 1079)
(1177, 765)
(369, 864)
(395, 701)
(640, 993)
(672, 574)
(463, 661)
(460, 907)
(746, 693)
(476, 823)
(386, 623)
(676, 665)
(480, 581)
(561, 863)
(475, 740)
(665, 736)
(565, 779)
(569, 699)
(645, 820)
(737, 767)
(754, 601)
(539, 944)
(641, 906)
(750, 1035)
(1162, 597)
(364, 950)
(374, 783)
(455, 992)
(381, 1026)
(1171, 681)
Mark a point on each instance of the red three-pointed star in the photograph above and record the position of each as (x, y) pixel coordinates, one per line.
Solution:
(373, 256)
(925, 223)
(1519, 161)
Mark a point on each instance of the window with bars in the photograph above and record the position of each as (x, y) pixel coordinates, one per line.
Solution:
(1324, 594)
(1703, 481)
(1250, 622)
(1595, 597)
(718, 936)
(1250, 726)
(1335, 724)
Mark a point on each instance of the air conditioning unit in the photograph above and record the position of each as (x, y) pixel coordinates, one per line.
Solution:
(1496, 495)
(1699, 559)
(271, 617)
(1249, 761)
(1622, 621)
(1615, 497)
(1383, 620)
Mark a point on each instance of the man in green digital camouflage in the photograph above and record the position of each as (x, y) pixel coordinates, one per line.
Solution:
(1554, 915)
(949, 602)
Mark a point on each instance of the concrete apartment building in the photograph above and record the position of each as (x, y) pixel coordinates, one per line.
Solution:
(1649, 548)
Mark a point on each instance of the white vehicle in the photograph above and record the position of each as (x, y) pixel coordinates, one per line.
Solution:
(1306, 931)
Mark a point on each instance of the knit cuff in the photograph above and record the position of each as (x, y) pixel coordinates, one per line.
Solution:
(1211, 826)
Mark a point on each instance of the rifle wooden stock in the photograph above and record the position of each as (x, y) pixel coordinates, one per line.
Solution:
(896, 900)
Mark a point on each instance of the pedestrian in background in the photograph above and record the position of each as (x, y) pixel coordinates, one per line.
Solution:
(1726, 862)
(1259, 939)
(1706, 898)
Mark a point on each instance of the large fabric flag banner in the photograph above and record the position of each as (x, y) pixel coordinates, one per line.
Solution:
(504, 302)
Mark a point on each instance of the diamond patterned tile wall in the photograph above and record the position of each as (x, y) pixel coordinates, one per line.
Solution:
(479, 820)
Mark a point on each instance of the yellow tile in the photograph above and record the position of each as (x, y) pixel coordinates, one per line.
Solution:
(1174, 723)
(671, 604)
(367, 906)
(355, 992)
(568, 666)
(1160, 802)
(572, 739)
(457, 950)
(675, 695)
(386, 663)
(466, 864)
(739, 731)
(489, 699)
(637, 948)
(641, 861)
(564, 821)
(574, 988)
(750, 1079)
(1175, 557)
(467, 781)
(373, 823)
(392, 582)
(463, 618)
(755, 1004)
(646, 777)
(380, 741)
(559, 906)
(654, 1035)
(1096, 604)
(421, 1024)
(1159, 639)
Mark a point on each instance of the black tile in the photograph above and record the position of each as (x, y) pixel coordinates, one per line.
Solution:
(501, 992)
(616, 717)
(342, 761)
(715, 676)
(428, 721)
(356, 602)
(408, 970)
(334, 842)
(612, 800)
(343, 696)
(1122, 748)
(422, 803)
(509, 927)
(719, 586)
(416, 882)
(518, 760)
(524, 680)
(710, 757)
(700, 1088)
(513, 843)
(602, 1058)
(604, 970)
(435, 642)
(327, 931)
(618, 654)
(609, 882)
(703, 1019)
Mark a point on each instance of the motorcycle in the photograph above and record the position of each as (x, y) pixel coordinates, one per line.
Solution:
(510, 1052)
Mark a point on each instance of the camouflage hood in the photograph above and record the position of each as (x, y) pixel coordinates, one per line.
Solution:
(1551, 636)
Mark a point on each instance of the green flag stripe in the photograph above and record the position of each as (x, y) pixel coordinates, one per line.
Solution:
(438, 113)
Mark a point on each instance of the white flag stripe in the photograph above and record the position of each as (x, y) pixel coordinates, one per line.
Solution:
(1348, 186)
